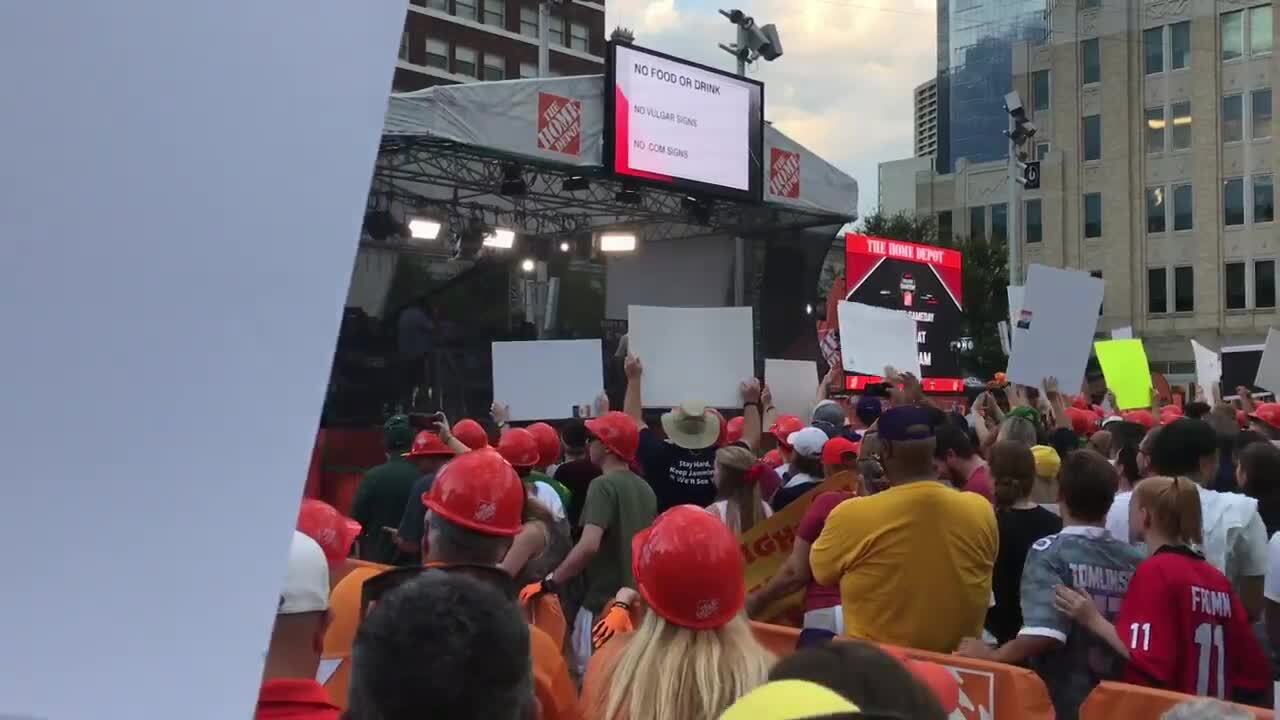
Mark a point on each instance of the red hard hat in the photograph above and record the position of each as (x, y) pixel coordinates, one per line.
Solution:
(1140, 417)
(689, 569)
(723, 438)
(1267, 414)
(773, 459)
(1083, 422)
(471, 434)
(548, 443)
(479, 491)
(428, 443)
(733, 429)
(333, 532)
(618, 432)
(518, 447)
(784, 426)
(1081, 402)
(1242, 419)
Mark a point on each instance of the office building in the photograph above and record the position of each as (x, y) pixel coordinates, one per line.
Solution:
(926, 119)
(459, 41)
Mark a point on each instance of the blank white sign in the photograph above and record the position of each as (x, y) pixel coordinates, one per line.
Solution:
(692, 353)
(177, 227)
(1269, 366)
(1058, 337)
(872, 338)
(1122, 333)
(1208, 369)
(547, 379)
(794, 384)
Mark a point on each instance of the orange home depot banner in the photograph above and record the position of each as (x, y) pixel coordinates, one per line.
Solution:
(1118, 700)
(766, 546)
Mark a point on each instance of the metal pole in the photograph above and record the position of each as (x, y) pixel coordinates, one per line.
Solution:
(1013, 233)
(544, 39)
(740, 245)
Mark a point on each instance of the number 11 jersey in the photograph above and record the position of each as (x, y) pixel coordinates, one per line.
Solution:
(1187, 630)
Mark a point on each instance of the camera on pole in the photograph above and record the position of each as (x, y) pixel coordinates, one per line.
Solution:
(1020, 133)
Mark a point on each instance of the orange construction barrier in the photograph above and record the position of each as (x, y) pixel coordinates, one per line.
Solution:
(1119, 700)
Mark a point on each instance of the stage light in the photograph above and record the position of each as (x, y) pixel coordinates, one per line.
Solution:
(808, 308)
(500, 238)
(424, 229)
(564, 246)
(528, 265)
(513, 180)
(617, 242)
(576, 183)
(629, 193)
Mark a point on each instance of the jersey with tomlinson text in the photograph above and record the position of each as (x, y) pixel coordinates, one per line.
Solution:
(1187, 630)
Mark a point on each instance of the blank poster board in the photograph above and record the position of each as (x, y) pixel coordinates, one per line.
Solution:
(166, 395)
(1054, 330)
(873, 338)
(1240, 365)
(1128, 374)
(1208, 369)
(1122, 333)
(1269, 364)
(547, 379)
(692, 353)
(794, 384)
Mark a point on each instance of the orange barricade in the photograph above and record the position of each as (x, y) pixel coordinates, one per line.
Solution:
(1118, 700)
(988, 690)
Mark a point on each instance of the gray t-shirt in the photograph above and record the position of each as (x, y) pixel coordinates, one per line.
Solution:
(1090, 560)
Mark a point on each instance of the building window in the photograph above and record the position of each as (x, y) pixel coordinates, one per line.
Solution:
(1090, 4)
(557, 29)
(1040, 90)
(1264, 201)
(438, 5)
(1233, 201)
(1260, 113)
(464, 61)
(529, 22)
(1260, 39)
(1180, 45)
(1232, 35)
(528, 70)
(1042, 150)
(495, 13)
(404, 46)
(1264, 283)
(579, 37)
(977, 223)
(1181, 114)
(1232, 118)
(1098, 274)
(1034, 229)
(1155, 123)
(1157, 291)
(1090, 61)
(1233, 286)
(437, 54)
(1153, 50)
(1093, 215)
(495, 67)
(1183, 214)
(1000, 222)
(1091, 129)
(465, 9)
(1184, 290)
(1156, 210)
(945, 233)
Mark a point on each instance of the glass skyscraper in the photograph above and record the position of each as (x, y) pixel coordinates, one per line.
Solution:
(975, 70)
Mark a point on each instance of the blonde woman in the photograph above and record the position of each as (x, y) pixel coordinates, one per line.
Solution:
(693, 654)
(737, 480)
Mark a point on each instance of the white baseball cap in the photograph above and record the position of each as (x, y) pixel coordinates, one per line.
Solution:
(807, 442)
(306, 586)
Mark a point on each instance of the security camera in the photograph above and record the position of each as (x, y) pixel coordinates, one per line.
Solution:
(1013, 103)
(735, 16)
(770, 45)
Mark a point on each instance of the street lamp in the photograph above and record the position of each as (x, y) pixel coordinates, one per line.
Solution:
(1020, 132)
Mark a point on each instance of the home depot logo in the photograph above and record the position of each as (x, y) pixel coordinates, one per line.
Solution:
(559, 124)
(977, 694)
(784, 173)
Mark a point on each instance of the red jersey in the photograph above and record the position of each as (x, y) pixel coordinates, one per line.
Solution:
(1187, 630)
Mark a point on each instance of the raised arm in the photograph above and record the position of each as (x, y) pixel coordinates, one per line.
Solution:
(751, 412)
(631, 404)
(1057, 403)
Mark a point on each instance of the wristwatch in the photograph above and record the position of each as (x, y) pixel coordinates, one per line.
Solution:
(550, 585)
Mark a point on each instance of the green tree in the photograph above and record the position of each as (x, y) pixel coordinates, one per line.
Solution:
(986, 279)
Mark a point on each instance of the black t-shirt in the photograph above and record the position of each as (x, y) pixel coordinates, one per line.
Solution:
(577, 476)
(677, 476)
(1018, 530)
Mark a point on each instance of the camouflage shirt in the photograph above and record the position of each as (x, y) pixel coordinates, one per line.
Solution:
(1090, 560)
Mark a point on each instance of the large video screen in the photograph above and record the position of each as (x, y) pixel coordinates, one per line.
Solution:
(923, 280)
(683, 125)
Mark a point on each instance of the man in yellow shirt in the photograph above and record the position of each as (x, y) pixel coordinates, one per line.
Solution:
(913, 562)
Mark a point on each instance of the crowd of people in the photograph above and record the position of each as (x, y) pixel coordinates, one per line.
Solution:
(595, 570)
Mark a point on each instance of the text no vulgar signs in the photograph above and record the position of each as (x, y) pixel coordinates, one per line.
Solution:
(668, 116)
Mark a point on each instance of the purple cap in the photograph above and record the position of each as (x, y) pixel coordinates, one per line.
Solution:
(907, 422)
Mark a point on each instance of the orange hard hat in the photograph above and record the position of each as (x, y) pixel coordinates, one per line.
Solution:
(1268, 414)
(617, 432)
(471, 433)
(426, 444)
(1083, 422)
(518, 447)
(773, 459)
(722, 438)
(548, 443)
(784, 426)
(479, 491)
(332, 531)
(1140, 417)
(689, 569)
(733, 429)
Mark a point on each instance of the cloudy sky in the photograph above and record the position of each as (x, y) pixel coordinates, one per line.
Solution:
(843, 85)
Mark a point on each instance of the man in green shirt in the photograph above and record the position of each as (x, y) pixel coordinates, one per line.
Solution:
(383, 492)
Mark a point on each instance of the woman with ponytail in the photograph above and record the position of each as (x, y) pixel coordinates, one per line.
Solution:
(737, 479)
(1181, 625)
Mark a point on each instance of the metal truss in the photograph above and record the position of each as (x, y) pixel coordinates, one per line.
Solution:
(462, 182)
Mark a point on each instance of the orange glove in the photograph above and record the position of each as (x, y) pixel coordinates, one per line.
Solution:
(530, 592)
(617, 620)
